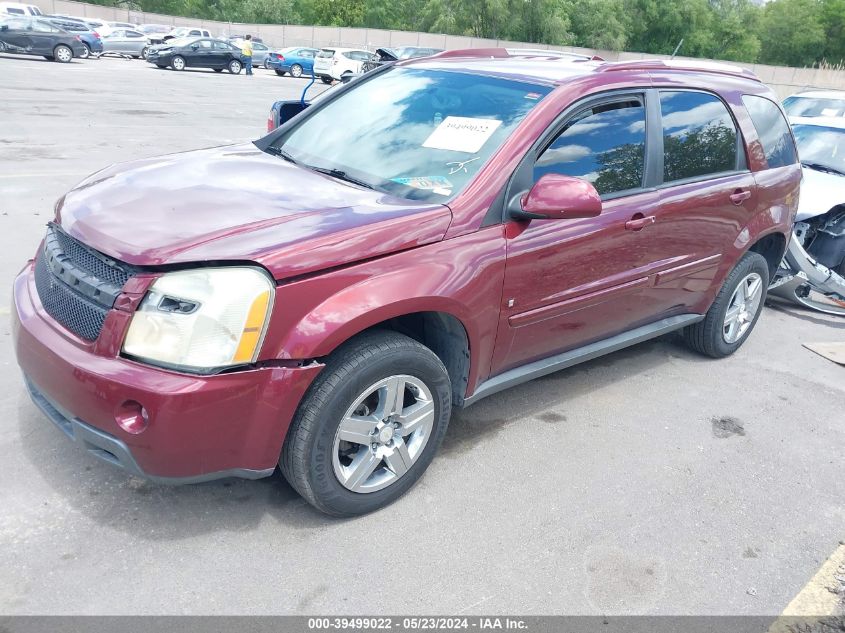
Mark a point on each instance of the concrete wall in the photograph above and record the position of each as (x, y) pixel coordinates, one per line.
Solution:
(783, 80)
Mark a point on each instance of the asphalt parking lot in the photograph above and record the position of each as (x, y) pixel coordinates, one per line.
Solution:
(651, 481)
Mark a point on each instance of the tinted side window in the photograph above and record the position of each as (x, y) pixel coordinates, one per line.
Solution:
(773, 131)
(604, 144)
(699, 135)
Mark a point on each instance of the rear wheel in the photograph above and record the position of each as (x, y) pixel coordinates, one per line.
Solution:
(63, 53)
(178, 63)
(235, 67)
(734, 313)
(296, 71)
(280, 73)
(369, 425)
(86, 52)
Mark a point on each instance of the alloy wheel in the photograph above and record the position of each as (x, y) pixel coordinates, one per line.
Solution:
(743, 307)
(383, 433)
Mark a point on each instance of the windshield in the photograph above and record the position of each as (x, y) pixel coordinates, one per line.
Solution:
(821, 147)
(419, 134)
(812, 106)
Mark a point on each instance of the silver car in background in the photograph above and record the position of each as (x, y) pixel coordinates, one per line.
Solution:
(126, 42)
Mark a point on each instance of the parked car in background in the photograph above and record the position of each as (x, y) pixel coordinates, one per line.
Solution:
(155, 29)
(180, 32)
(21, 35)
(16, 8)
(331, 64)
(91, 39)
(471, 222)
(180, 54)
(296, 60)
(811, 103)
(100, 26)
(260, 51)
(386, 55)
(126, 42)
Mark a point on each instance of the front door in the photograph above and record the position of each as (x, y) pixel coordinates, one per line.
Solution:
(570, 282)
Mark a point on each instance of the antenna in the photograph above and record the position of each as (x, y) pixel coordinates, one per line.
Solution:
(675, 52)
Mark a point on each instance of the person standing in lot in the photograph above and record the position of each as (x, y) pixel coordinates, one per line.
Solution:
(246, 49)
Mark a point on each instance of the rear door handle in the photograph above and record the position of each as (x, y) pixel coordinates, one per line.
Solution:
(739, 196)
(638, 224)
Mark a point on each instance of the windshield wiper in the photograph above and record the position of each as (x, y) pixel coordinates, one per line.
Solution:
(341, 175)
(278, 151)
(822, 167)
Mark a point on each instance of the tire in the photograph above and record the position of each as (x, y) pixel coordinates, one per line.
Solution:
(235, 67)
(314, 451)
(63, 54)
(713, 336)
(144, 52)
(266, 64)
(86, 52)
(178, 63)
(327, 80)
(296, 71)
(280, 73)
(218, 70)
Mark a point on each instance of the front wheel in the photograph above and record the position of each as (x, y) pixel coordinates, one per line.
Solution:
(296, 71)
(735, 311)
(369, 425)
(63, 53)
(235, 67)
(144, 52)
(178, 63)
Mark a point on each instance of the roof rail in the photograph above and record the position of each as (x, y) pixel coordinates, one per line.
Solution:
(680, 64)
(474, 52)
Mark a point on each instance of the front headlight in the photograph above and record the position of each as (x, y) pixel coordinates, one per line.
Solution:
(202, 319)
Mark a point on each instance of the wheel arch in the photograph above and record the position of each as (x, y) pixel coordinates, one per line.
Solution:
(438, 323)
(771, 246)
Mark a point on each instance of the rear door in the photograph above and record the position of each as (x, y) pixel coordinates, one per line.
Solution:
(222, 53)
(44, 37)
(707, 196)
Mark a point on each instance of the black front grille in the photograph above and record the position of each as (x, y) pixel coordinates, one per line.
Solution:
(77, 286)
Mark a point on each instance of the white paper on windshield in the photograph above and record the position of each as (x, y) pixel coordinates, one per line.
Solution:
(461, 134)
(830, 112)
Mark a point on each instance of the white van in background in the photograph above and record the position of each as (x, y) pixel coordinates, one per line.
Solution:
(16, 8)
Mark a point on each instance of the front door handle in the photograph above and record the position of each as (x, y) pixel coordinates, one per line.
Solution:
(639, 223)
(739, 196)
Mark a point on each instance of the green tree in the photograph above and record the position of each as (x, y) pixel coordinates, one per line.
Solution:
(602, 24)
(792, 33)
(658, 25)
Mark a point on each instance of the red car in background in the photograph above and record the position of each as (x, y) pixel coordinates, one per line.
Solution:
(422, 237)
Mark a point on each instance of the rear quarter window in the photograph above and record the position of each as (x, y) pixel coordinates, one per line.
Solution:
(772, 130)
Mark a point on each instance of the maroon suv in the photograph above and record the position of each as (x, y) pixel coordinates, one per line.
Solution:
(420, 238)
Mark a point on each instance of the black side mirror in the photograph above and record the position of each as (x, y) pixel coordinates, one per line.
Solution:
(194, 47)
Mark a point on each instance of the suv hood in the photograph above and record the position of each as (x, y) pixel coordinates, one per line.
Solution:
(238, 203)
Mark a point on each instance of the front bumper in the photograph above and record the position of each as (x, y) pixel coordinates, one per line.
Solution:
(200, 427)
